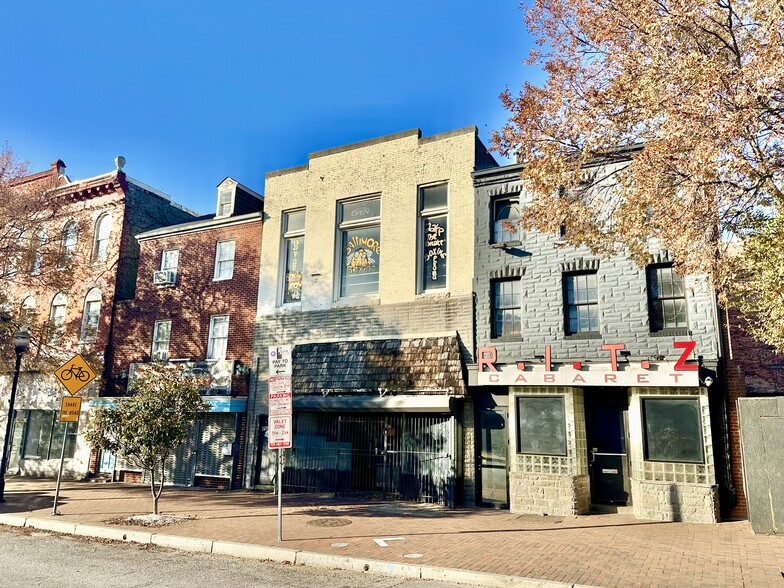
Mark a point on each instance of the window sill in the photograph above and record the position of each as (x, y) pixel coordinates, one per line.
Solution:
(677, 332)
(513, 244)
(508, 338)
(437, 294)
(222, 279)
(359, 300)
(581, 336)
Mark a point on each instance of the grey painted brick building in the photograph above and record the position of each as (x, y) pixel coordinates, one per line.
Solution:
(595, 381)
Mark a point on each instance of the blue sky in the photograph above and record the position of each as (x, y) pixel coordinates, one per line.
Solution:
(193, 92)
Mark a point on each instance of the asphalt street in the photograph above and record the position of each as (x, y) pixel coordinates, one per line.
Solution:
(31, 559)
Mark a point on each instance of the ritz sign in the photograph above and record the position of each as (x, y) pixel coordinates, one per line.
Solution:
(682, 372)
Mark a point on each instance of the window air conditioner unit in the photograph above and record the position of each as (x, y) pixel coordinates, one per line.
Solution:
(164, 278)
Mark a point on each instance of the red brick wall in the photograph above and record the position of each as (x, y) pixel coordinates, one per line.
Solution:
(77, 281)
(194, 298)
(752, 370)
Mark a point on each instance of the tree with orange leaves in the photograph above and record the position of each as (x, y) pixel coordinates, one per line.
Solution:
(658, 119)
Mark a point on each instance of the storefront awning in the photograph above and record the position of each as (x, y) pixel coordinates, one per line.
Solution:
(429, 365)
(408, 403)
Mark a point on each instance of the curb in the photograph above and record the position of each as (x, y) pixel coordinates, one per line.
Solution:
(283, 555)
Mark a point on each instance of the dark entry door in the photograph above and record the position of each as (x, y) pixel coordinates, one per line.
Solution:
(492, 411)
(606, 427)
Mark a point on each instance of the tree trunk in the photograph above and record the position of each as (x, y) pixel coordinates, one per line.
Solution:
(152, 491)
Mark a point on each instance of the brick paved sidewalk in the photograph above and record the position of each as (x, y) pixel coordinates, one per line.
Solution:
(601, 550)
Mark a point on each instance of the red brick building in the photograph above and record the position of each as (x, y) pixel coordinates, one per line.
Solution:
(753, 369)
(195, 303)
(82, 262)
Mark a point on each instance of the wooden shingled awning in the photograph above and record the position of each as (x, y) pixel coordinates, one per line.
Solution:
(429, 365)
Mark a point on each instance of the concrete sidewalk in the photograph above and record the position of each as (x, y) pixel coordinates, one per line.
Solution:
(598, 550)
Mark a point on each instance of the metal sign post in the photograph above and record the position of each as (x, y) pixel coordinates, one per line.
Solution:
(60, 471)
(69, 413)
(280, 413)
(74, 374)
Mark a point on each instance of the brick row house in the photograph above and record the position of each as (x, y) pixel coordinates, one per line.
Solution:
(440, 353)
(85, 235)
(195, 304)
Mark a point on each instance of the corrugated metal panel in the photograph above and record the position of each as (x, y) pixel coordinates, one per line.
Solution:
(217, 429)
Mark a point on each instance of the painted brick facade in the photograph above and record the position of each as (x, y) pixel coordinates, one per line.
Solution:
(562, 484)
(393, 168)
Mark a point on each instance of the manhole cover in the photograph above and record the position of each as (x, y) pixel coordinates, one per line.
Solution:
(329, 522)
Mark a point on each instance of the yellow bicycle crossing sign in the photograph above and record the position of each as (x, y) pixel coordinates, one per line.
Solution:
(75, 374)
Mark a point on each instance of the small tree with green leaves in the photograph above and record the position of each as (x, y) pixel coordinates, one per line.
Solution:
(145, 428)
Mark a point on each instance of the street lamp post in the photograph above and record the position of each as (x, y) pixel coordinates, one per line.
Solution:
(21, 343)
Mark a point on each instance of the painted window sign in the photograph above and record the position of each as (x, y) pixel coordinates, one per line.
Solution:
(434, 275)
(360, 246)
(294, 248)
(362, 258)
(293, 277)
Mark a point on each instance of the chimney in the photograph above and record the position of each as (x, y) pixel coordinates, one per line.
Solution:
(58, 167)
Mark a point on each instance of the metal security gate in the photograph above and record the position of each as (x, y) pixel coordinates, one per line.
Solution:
(390, 456)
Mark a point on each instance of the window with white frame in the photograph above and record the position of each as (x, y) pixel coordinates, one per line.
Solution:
(68, 242)
(161, 336)
(91, 315)
(224, 260)
(219, 337)
(170, 259)
(433, 208)
(225, 201)
(359, 259)
(16, 247)
(103, 230)
(27, 313)
(506, 220)
(293, 251)
(37, 245)
(57, 314)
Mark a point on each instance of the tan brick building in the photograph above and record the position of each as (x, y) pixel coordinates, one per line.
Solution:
(86, 263)
(367, 269)
(195, 302)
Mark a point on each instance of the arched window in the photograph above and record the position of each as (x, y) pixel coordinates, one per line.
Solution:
(37, 244)
(103, 228)
(57, 314)
(91, 315)
(27, 313)
(68, 242)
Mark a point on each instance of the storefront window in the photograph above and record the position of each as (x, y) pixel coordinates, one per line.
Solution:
(673, 430)
(44, 436)
(541, 425)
